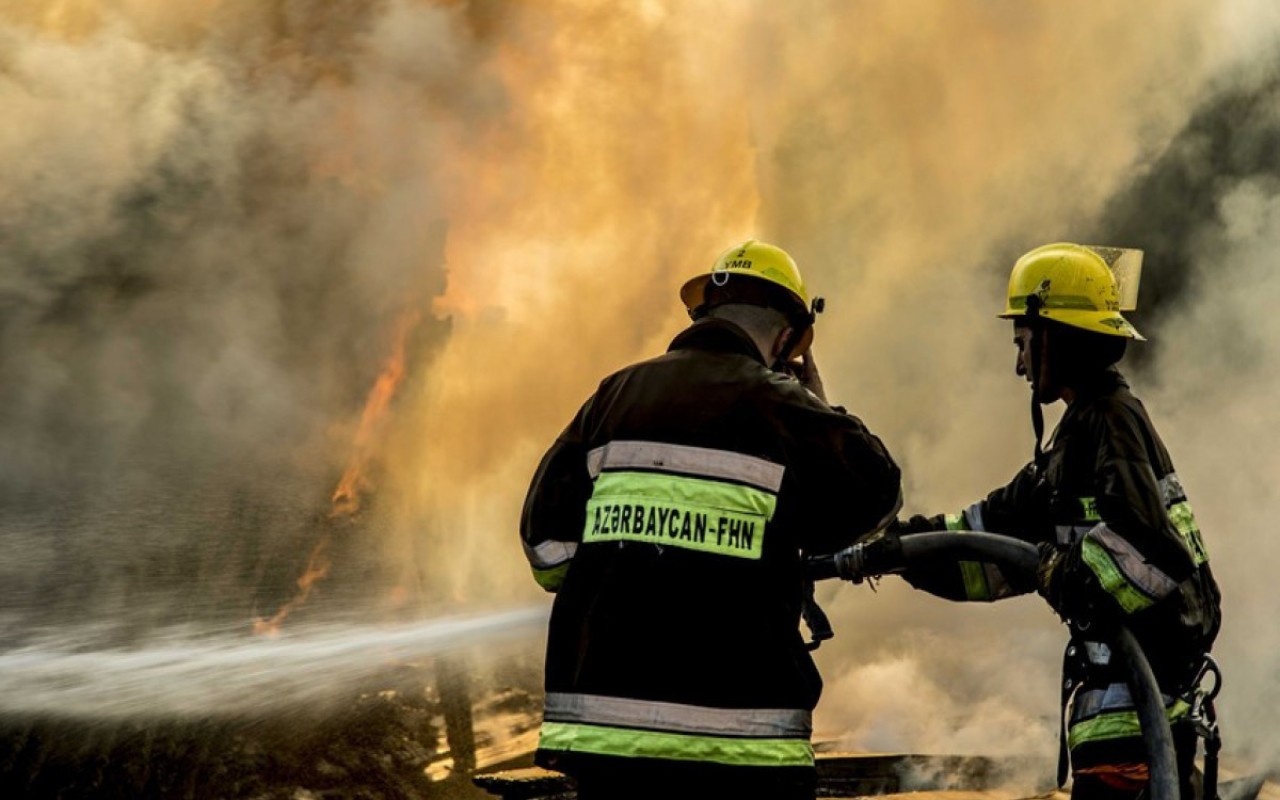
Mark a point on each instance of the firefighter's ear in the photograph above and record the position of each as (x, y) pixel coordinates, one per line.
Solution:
(782, 344)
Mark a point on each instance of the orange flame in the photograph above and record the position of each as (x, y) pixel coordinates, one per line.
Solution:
(317, 568)
(355, 481)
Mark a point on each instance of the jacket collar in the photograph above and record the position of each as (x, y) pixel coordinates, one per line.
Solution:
(717, 336)
(1099, 384)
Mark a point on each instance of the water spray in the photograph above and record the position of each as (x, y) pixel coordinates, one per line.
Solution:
(235, 674)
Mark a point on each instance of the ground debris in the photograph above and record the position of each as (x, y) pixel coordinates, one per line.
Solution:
(374, 748)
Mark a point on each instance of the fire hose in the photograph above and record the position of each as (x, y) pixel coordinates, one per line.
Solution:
(1013, 554)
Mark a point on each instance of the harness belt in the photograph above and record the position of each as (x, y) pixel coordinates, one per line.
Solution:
(1084, 699)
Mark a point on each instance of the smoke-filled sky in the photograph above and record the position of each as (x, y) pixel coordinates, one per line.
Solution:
(220, 220)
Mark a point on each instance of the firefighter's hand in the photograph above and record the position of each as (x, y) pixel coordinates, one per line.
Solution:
(882, 554)
(870, 558)
(1049, 574)
(917, 523)
(809, 377)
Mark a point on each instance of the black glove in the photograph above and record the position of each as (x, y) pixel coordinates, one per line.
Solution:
(882, 554)
(872, 557)
(1073, 590)
(1049, 574)
(916, 524)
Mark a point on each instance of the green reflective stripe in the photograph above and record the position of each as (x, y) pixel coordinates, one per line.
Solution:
(975, 580)
(1116, 725)
(974, 573)
(551, 579)
(632, 743)
(1185, 521)
(690, 527)
(1130, 598)
(1143, 575)
(1089, 509)
(1063, 301)
(693, 513)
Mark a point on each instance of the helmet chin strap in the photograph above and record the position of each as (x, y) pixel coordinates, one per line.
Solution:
(1037, 413)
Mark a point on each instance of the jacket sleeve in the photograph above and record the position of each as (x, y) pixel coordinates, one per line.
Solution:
(850, 483)
(555, 506)
(1133, 557)
(1010, 511)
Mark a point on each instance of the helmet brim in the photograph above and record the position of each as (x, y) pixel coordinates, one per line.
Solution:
(1107, 323)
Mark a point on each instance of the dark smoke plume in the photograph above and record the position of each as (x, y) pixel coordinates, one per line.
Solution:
(1172, 205)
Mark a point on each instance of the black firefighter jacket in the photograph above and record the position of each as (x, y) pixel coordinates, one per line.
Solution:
(670, 518)
(1108, 496)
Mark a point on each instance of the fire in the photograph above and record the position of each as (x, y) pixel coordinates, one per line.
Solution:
(355, 482)
(554, 276)
(317, 567)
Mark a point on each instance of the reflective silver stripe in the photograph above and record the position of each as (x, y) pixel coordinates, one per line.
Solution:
(1098, 652)
(549, 553)
(1171, 490)
(1115, 697)
(1132, 563)
(1070, 534)
(974, 516)
(686, 460)
(766, 723)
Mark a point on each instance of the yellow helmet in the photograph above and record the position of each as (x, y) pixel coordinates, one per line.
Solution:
(765, 262)
(1072, 284)
(754, 258)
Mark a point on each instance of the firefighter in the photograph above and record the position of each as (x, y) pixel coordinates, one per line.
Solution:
(1118, 540)
(670, 518)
